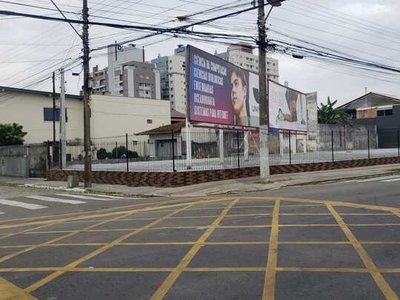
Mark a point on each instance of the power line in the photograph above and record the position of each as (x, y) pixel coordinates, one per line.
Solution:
(66, 18)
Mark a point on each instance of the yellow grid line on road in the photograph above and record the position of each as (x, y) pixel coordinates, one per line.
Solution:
(207, 226)
(368, 262)
(9, 291)
(75, 217)
(125, 214)
(301, 243)
(58, 273)
(333, 270)
(333, 203)
(12, 255)
(103, 215)
(115, 242)
(270, 272)
(173, 276)
(76, 214)
(196, 269)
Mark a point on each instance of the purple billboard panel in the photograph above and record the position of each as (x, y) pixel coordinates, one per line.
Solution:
(217, 90)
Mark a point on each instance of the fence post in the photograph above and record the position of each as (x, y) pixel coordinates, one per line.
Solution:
(48, 155)
(127, 156)
(238, 148)
(344, 138)
(333, 155)
(173, 151)
(398, 143)
(290, 149)
(369, 152)
(60, 156)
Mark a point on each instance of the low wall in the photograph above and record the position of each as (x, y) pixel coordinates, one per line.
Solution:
(15, 166)
(165, 179)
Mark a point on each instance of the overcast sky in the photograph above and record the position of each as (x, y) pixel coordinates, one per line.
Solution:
(32, 49)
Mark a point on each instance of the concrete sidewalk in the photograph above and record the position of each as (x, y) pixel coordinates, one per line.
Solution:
(252, 184)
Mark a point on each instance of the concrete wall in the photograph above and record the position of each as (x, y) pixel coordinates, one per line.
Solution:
(14, 166)
(27, 110)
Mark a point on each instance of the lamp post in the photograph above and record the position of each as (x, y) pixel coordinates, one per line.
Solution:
(263, 93)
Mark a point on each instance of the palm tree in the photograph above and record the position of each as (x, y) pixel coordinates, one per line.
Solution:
(327, 114)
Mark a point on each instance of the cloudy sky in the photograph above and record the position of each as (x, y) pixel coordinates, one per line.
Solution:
(364, 29)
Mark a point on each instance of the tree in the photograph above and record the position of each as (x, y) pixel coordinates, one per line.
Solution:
(11, 134)
(327, 114)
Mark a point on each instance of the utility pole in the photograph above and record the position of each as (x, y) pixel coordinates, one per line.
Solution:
(86, 99)
(54, 118)
(262, 81)
(263, 94)
(63, 145)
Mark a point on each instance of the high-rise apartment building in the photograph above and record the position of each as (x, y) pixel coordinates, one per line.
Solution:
(127, 74)
(242, 56)
(172, 78)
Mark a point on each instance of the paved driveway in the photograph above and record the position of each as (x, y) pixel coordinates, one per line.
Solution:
(210, 248)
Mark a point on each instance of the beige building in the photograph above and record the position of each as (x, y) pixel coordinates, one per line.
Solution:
(34, 111)
(110, 115)
(115, 116)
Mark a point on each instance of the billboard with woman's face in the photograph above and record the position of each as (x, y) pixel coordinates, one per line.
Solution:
(222, 93)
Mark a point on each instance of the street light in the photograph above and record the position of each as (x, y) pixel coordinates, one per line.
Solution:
(263, 95)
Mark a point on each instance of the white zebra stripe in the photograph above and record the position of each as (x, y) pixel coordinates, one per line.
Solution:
(57, 200)
(83, 197)
(391, 180)
(22, 204)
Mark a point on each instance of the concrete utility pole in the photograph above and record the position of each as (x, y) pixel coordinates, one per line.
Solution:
(63, 141)
(263, 94)
(54, 116)
(86, 99)
(262, 81)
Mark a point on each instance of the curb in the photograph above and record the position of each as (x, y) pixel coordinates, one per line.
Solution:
(278, 185)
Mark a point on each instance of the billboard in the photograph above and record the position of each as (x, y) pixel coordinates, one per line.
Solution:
(222, 93)
(287, 108)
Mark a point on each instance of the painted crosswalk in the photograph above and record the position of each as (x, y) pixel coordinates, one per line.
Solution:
(383, 179)
(39, 202)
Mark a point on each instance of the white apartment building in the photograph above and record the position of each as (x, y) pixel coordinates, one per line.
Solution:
(242, 56)
(173, 78)
(127, 74)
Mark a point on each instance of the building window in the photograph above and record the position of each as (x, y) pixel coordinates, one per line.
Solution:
(144, 90)
(384, 113)
(149, 121)
(48, 114)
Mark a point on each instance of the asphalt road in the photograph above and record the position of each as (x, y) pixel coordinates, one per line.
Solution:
(331, 241)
